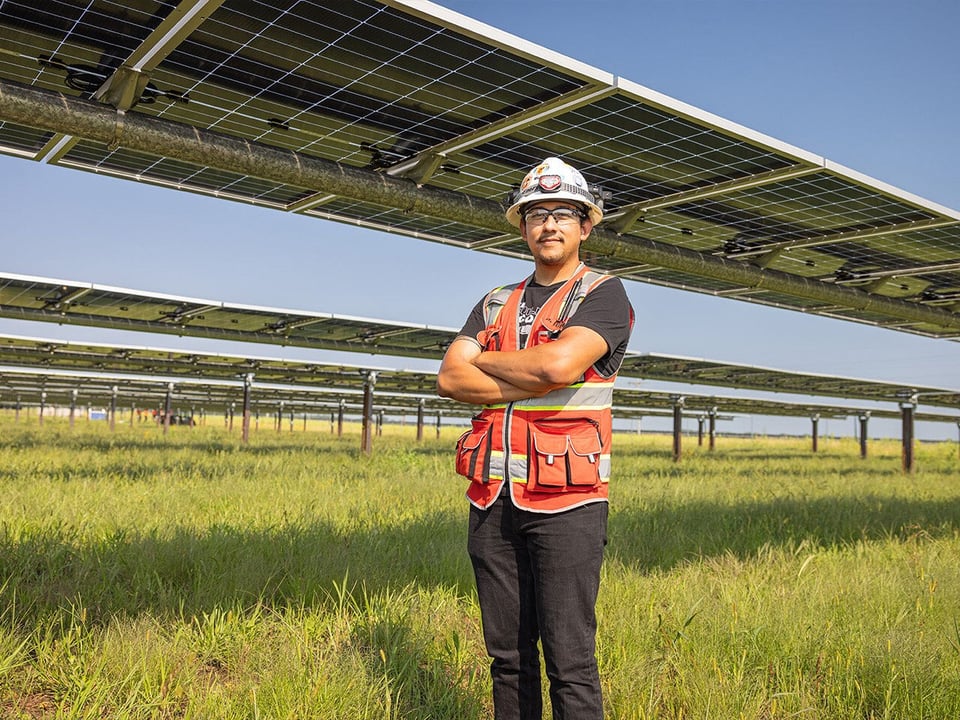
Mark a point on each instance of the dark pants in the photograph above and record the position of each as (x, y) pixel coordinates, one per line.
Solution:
(537, 577)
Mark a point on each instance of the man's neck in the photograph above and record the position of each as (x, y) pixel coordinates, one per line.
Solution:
(551, 275)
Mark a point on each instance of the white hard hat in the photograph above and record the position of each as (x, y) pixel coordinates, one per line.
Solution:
(553, 179)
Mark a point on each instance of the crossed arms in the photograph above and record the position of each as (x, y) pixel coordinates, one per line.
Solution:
(472, 375)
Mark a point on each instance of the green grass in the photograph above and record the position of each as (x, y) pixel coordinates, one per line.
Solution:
(190, 576)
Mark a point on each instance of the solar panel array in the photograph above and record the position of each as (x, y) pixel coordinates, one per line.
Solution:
(406, 117)
(206, 395)
(69, 302)
(698, 371)
(65, 373)
(33, 387)
(179, 365)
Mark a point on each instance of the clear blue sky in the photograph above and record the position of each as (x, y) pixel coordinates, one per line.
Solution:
(870, 84)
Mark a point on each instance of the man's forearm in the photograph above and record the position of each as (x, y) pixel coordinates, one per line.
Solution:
(522, 369)
(460, 378)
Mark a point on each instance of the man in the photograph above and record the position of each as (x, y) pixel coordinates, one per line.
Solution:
(541, 356)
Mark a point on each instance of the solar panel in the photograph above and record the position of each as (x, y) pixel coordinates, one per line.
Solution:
(406, 117)
(217, 379)
(71, 302)
(30, 298)
(20, 387)
(697, 371)
(704, 405)
(42, 353)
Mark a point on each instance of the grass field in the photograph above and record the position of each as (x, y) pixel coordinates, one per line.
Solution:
(190, 576)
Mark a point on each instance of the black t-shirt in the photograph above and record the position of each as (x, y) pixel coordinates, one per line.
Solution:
(605, 310)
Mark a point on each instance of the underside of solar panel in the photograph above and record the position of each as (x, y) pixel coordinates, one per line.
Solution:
(405, 117)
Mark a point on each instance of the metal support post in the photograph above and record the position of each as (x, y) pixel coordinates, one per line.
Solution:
(340, 409)
(420, 407)
(167, 406)
(700, 422)
(678, 401)
(113, 407)
(864, 418)
(245, 423)
(43, 403)
(815, 425)
(366, 442)
(907, 409)
(73, 407)
(712, 430)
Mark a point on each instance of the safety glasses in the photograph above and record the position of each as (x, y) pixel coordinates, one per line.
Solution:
(561, 216)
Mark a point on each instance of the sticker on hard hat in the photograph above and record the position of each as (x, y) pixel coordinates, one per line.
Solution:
(549, 183)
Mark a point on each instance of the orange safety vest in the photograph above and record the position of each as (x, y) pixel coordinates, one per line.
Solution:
(553, 450)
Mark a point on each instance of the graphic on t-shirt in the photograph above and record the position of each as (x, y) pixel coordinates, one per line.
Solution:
(525, 317)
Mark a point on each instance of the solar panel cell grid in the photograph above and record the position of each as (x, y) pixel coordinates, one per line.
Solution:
(379, 76)
(20, 139)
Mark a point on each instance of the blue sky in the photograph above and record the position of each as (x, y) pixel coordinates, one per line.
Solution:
(869, 84)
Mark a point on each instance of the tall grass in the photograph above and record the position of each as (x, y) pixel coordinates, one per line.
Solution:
(190, 576)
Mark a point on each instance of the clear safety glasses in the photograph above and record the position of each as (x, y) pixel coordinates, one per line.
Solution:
(561, 216)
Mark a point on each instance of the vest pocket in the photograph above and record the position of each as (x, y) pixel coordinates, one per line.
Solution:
(473, 451)
(565, 455)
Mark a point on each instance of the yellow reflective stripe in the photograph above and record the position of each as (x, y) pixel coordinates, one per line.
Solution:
(558, 408)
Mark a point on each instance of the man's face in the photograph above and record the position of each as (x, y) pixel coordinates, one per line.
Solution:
(554, 240)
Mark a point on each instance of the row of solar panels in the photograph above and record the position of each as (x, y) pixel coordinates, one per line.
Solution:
(77, 303)
(405, 117)
(64, 373)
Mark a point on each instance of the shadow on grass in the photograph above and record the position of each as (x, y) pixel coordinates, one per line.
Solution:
(190, 572)
(664, 536)
(52, 579)
(205, 442)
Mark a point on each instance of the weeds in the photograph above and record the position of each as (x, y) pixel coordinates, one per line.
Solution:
(189, 576)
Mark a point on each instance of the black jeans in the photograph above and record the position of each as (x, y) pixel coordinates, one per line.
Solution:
(537, 577)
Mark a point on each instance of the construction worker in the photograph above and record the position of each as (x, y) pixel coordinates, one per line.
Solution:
(541, 357)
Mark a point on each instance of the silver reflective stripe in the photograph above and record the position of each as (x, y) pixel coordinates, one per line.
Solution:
(496, 466)
(590, 396)
(518, 469)
(604, 468)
